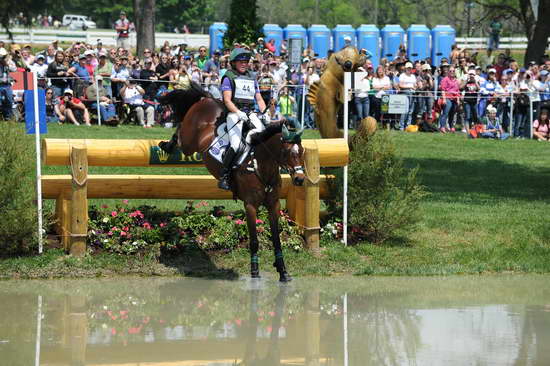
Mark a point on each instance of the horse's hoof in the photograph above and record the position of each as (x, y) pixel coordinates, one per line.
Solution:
(255, 275)
(284, 277)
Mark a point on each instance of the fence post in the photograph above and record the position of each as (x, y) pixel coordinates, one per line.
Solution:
(79, 200)
(303, 104)
(512, 114)
(97, 101)
(312, 204)
(531, 115)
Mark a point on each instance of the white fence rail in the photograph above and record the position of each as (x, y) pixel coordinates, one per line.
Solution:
(46, 36)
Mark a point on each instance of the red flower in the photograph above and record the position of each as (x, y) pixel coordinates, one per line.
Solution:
(113, 331)
(258, 221)
(147, 225)
(114, 213)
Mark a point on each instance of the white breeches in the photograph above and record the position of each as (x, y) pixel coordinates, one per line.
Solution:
(235, 128)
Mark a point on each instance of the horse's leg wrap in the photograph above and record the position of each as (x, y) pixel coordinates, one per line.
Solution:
(254, 266)
(171, 145)
(280, 266)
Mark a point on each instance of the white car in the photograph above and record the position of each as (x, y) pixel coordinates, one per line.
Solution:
(78, 22)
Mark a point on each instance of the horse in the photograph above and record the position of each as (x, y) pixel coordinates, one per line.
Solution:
(197, 112)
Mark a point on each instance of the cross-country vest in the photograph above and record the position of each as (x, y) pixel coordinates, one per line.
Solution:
(244, 90)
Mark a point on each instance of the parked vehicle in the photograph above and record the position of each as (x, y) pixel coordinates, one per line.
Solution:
(78, 22)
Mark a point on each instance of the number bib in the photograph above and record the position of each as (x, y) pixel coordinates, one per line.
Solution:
(244, 89)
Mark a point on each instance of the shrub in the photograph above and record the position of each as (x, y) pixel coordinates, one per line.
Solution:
(17, 190)
(383, 195)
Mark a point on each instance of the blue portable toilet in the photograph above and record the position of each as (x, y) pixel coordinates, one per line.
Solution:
(216, 32)
(273, 31)
(418, 42)
(443, 37)
(368, 37)
(392, 37)
(319, 39)
(339, 33)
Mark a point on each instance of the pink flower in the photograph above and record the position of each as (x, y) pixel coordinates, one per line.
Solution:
(104, 206)
(239, 222)
(147, 225)
(113, 331)
(126, 228)
(238, 322)
(258, 221)
(125, 202)
(114, 213)
(110, 233)
(134, 330)
(162, 224)
(123, 233)
(136, 213)
(122, 209)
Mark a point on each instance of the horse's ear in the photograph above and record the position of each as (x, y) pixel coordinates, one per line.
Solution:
(285, 132)
(300, 132)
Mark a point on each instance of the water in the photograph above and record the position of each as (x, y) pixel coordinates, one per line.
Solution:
(491, 320)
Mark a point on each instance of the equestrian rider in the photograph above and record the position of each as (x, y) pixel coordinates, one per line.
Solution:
(240, 92)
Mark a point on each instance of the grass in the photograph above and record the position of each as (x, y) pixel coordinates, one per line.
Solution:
(486, 212)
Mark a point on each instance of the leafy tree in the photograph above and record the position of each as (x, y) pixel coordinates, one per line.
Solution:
(196, 14)
(244, 25)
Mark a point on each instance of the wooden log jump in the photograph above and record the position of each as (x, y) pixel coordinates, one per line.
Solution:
(71, 193)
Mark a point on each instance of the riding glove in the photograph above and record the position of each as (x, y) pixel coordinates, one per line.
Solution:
(242, 116)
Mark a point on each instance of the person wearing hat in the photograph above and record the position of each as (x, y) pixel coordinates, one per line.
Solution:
(6, 92)
(470, 86)
(122, 27)
(488, 90)
(80, 71)
(148, 78)
(426, 101)
(260, 46)
(213, 63)
(132, 94)
(106, 107)
(240, 92)
(40, 68)
(71, 107)
(406, 84)
(544, 89)
(119, 75)
(104, 69)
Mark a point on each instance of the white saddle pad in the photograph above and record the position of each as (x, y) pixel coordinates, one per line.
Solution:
(220, 144)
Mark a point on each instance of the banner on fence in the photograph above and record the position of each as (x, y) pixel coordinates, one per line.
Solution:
(395, 104)
(158, 156)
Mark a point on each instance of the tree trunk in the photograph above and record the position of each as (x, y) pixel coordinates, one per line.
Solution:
(538, 39)
(144, 12)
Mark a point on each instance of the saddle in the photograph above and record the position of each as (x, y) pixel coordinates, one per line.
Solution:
(221, 143)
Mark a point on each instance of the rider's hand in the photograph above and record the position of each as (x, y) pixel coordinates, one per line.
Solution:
(242, 116)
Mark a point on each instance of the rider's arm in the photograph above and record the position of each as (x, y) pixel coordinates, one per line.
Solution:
(260, 101)
(231, 107)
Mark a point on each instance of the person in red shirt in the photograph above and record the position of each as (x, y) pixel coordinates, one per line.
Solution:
(271, 45)
(70, 107)
(450, 92)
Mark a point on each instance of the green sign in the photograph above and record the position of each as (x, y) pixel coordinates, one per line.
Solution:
(158, 156)
(385, 106)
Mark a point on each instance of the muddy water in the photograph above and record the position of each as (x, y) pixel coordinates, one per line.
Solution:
(500, 320)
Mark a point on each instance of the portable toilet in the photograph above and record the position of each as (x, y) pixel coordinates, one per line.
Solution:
(339, 33)
(368, 37)
(216, 32)
(443, 37)
(418, 42)
(290, 33)
(392, 37)
(319, 39)
(273, 31)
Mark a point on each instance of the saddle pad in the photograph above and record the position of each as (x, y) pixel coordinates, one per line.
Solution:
(220, 144)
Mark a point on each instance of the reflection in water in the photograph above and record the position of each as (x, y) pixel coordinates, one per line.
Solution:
(390, 321)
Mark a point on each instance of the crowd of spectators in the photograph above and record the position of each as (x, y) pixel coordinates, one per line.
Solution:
(457, 92)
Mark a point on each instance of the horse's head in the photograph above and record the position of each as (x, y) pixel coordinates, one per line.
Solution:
(292, 154)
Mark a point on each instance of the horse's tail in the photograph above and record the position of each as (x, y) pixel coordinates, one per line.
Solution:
(182, 99)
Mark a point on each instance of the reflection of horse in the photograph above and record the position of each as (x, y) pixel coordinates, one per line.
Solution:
(273, 148)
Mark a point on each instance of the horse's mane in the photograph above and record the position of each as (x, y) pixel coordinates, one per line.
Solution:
(271, 130)
(182, 99)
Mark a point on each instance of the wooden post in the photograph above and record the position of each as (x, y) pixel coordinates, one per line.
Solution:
(62, 214)
(78, 328)
(311, 201)
(79, 198)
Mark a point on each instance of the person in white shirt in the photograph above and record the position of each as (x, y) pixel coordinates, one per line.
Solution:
(132, 94)
(407, 85)
(39, 67)
(381, 84)
(361, 97)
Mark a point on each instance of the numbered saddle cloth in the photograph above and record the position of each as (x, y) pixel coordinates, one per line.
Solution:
(221, 143)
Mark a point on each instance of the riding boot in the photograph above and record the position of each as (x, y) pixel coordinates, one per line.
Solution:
(170, 146)
(225, 178)
(280, 266)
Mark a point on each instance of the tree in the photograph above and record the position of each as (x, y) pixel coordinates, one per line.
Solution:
(243, 26)
(144, 13)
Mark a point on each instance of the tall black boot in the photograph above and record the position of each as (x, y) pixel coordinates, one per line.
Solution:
(170, 146)
(225, 177)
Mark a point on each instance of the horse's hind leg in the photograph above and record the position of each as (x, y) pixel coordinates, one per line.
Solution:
(273, 209)
(253, 235)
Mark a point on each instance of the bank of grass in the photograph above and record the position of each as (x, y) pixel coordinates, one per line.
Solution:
(487, 211)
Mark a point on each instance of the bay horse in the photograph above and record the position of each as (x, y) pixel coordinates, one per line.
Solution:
(197, 111)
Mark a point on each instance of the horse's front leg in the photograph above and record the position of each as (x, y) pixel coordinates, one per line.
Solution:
(251, 216)
(273, 207)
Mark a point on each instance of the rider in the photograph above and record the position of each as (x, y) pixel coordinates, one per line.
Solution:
(240, 91)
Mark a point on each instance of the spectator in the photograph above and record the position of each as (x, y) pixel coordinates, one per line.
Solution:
(274, 114)
(81, 73)
(407, 85)
(541, 126)
(179, 78)
(203, 58)
(119, 76)
(196, 74)
(214, 62)
(148, 78)
(6, 93)
(265, 83)
(122, 27)
(50, 54)
(40, 69)
(381, 84)
(51, 105)
(132, 94)
(106, 106)
(163, 70)
(426, 100)
(72, 109)
(450, 90)
(104, 69)
(521, 104)
(361, 96)
(488, 89)
(91, 62)
(58, 72)
(271, 46)
(286, 106)
(492, 128)
(212, 84)
(471, 90)
(494, 34)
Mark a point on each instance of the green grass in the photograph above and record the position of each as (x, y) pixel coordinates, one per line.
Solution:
(486, 212)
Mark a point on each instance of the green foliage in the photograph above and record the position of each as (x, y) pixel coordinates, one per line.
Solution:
(244, 25)
(17, 190)
(384, 196)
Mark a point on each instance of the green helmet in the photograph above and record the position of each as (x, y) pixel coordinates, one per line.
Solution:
(240, 54)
